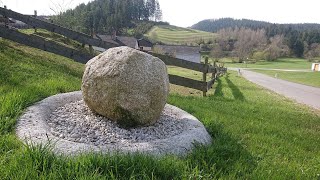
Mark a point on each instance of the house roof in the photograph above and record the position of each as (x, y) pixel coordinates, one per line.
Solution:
(3, 20)
(128, 41)
(144, 42)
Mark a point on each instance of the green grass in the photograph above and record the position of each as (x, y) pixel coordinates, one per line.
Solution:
(283, 63)
(256, 134)
(307, 78)
(178, 36)
(50, 36)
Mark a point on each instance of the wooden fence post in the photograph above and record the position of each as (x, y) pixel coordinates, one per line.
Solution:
(204, 77)
(6, 19)
(215, 70)
(35, 15)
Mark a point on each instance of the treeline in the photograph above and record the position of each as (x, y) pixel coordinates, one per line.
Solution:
(107, 16)
(214, 25)
(299, 40)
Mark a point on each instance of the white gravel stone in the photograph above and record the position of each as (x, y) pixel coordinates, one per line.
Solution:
(67, 122)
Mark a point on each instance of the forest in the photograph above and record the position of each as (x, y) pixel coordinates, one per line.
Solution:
(257, 39)
(108, 16)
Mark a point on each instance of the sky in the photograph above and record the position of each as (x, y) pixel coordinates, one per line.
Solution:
(185, 13)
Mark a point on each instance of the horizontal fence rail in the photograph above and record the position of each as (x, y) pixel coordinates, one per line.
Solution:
(40, 43)
(168, 60)
(186, 82)
(77, 36)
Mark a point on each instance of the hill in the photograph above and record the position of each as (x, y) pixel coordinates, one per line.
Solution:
(173, 35)
(214, 25)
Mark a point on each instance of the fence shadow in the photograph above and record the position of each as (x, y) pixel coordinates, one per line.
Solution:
(237, 94)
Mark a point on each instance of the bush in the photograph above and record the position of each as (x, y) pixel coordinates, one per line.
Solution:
(259, 55)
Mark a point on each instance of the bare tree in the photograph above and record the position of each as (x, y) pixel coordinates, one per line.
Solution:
(314, 51)
(276, 48)
(246, 41)
(60, 6)
(216, 52)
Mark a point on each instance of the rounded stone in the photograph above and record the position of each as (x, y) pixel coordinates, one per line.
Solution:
(126, 85)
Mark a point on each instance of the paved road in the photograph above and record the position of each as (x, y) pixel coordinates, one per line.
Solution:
(301, 93)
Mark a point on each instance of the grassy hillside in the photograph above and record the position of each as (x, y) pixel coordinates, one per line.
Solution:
(256, 134)
(57, 38)
(178, 36)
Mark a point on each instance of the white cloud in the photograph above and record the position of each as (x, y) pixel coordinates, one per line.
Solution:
(186, 13)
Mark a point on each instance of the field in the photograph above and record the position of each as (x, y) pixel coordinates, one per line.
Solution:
(178, 36)
(271, 68)
(62, 40)
(307, 78)
(257, 134)
(283, 63)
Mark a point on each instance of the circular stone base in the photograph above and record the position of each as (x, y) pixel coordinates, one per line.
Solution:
(65, 121)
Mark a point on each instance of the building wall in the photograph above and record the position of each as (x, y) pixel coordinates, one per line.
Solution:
(313, 68)
(146, 48)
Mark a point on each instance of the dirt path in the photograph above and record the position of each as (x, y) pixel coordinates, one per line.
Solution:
(301, 93)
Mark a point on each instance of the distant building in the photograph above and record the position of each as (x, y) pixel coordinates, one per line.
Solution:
(13, 23)
(188, 53)
(144, 45)
(128, 41)
(4, 20)
(315, 67)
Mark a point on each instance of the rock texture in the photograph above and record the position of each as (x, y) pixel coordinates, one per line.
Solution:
(64, 121)
(127, 86)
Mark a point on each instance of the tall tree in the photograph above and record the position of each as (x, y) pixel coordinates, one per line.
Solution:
(158, 12)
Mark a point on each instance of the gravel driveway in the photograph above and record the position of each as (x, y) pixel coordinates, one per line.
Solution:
(301, 93)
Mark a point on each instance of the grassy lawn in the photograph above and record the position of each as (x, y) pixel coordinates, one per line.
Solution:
(256, 134)
(283, 63)
(178, 36)
(50, 36)
(307, 78)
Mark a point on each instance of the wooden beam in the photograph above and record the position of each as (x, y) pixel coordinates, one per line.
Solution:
(186, 82)
(168, 60)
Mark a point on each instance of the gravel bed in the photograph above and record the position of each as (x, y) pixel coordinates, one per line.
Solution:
(76, 122)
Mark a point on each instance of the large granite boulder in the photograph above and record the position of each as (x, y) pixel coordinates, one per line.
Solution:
(126, 85)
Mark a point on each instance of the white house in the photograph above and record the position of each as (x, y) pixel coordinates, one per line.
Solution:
(315, 67)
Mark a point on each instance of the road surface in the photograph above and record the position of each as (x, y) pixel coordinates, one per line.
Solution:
(301, 93)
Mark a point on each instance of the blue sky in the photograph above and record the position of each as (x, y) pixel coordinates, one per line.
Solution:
(185, 13)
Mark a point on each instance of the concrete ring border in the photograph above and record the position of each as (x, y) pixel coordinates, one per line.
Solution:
(32, 128)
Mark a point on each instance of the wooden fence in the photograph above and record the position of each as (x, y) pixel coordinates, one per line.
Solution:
(40, 43)
(205, 69)
(77, 36)
(82, 57)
